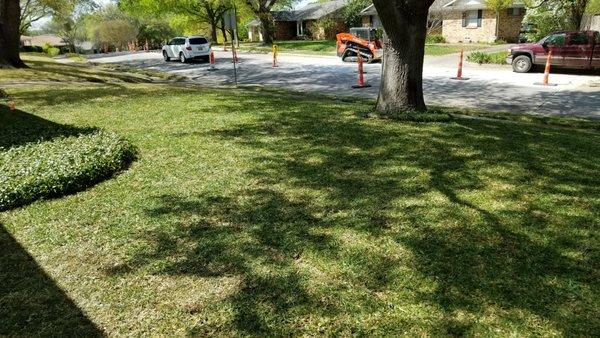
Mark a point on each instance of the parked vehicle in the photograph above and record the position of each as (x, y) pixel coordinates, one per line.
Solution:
(363, 41)
(187, 48)
(570, 49)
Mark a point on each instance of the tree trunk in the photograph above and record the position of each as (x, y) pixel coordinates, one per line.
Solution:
(10, 21)
(213, 32)
(402, 72)
(266, 28)
(223, 31)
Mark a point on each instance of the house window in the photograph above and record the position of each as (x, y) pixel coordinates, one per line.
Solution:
(472, 19)
(516, 11)
(300, 28)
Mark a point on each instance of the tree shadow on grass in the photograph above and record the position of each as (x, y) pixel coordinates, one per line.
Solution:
(18, 128)
(498, 218)
(83, 73)
(31, 304)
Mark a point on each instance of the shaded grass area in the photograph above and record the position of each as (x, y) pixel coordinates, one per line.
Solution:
(258, 213)
(31, 304)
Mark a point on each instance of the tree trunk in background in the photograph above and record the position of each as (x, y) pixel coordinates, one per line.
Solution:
(576, 10)
(266, 28)
(405, 23)
(223, 31)
(213, 32)
(10, 21)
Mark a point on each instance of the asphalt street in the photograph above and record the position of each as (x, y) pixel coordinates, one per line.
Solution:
(494, 88)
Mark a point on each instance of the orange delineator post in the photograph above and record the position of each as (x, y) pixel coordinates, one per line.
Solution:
(546, 82)
(235, 57)
(547, 70)
(459, 75)
(460, 64)
(361, 74)
(211, 59)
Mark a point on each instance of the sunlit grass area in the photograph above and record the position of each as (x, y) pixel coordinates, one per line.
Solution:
(267, 213)
(45, 69)
(328, 47)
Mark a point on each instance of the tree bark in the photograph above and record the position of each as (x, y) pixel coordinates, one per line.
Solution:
(266, 28)
(10, 21)
(405, 23)
(223, 30)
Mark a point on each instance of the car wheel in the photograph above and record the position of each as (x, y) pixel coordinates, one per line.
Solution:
(182, 58)
(166, 56)
(522, 64)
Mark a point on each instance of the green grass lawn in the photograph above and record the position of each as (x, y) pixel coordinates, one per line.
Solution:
(328, 47)
(262, 213)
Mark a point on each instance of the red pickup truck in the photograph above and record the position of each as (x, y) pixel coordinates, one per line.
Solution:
(570, 49)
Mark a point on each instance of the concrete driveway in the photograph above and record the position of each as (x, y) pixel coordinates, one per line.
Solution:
(494, 88)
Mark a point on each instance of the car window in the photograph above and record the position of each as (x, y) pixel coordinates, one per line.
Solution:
(556, 39)
(198, 41)
(579, 38)
(181, 41)
(173, 42)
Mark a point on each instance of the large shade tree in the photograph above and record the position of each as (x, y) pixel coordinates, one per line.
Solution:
(405, 23)
(205, 11)
(262, 10)
(10, 22)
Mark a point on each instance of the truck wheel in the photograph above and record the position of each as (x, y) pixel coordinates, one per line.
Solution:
(522, 64)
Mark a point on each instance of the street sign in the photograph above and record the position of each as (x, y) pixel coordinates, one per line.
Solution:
(229, 19)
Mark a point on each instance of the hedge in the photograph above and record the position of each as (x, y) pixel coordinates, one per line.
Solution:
(62, 165)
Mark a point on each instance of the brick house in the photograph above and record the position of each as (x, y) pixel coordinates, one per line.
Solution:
(315, 21)
(467, 20)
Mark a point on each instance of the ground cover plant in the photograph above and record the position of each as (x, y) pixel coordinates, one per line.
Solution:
(498, 58)
(41, 159)
(254, 212)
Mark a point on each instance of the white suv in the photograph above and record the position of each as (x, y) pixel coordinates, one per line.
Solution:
(187, 48)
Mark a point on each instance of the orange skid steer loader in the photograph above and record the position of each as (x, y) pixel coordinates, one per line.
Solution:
(363, 41)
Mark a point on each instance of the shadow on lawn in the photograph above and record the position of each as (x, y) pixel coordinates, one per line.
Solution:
(18, 128)
(31, 304)
(498, 217)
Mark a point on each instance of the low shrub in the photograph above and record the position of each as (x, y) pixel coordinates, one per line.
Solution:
(62, 165)
(488, 58)
(32, 49)
(435, 38)
(53, 51)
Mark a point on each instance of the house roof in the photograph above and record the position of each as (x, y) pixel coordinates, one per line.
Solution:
(41, 40)
(476, 4)
(447, 5)
(310, 12)
(437, 6)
